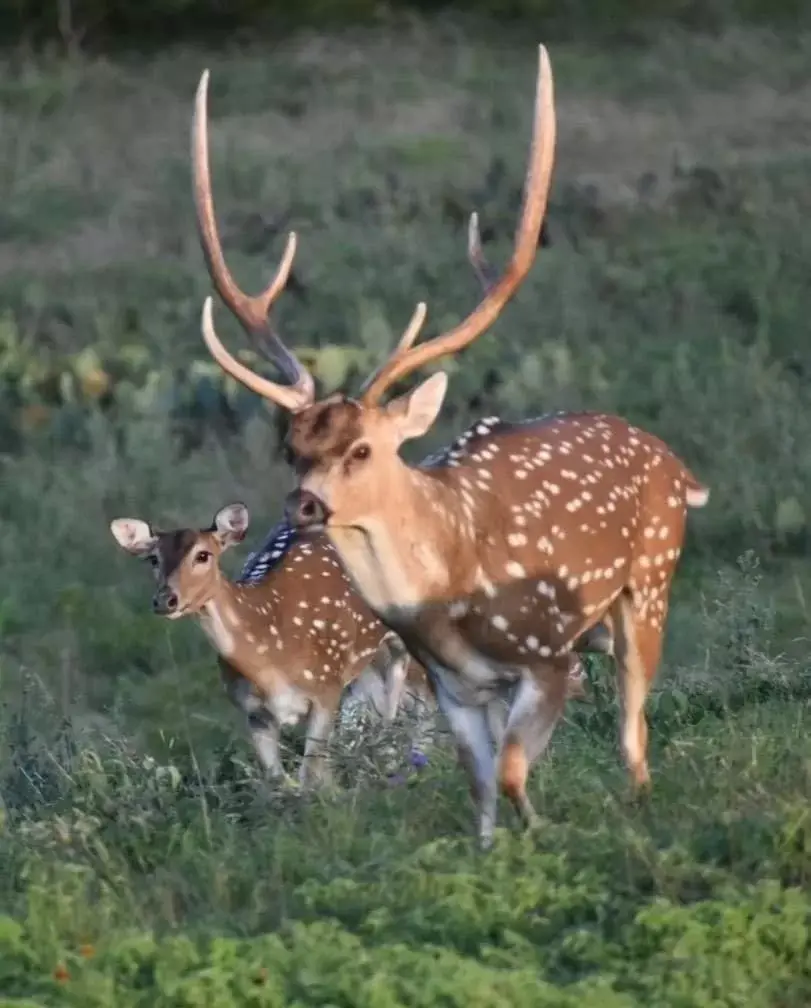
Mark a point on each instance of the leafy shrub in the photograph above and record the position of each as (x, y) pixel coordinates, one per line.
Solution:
(531, 930)
(137, 880)
(55, 393)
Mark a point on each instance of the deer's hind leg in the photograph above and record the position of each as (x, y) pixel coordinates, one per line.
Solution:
(380, 682)
(392, 660)
(263, 728)
(534, 713)
(637, 651)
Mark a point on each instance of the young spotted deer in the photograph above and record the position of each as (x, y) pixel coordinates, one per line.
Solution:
(385, 686)
(495, 565)
(290, 634)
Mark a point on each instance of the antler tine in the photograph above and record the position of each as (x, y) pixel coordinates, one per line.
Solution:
(536, 191)
(268, 342)
(412, 330)
(481, 267)
(252, 312)
(410, 334)
(288, 397)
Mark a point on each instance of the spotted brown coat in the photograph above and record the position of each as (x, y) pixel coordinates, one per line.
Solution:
(290, 633)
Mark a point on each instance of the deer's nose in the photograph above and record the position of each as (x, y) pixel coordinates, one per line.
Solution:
(164, 602)
(304, 510)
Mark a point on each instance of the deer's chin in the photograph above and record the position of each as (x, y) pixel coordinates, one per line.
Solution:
(344, 526)
(177, 614)
(334, 524)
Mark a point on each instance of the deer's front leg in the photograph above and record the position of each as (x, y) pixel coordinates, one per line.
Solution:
(474, 744)
(265, 732)
(314, 766)
(262, 726)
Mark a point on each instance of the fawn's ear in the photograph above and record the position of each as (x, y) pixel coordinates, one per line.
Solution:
(133, 535)
(231, 524)
(417, 410)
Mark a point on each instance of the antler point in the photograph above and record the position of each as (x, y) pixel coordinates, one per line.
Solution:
(473, 230)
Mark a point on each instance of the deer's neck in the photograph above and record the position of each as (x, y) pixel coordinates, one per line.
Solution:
(418, 550)
(227, 616)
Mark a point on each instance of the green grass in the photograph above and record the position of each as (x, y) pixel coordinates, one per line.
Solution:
(138, 865)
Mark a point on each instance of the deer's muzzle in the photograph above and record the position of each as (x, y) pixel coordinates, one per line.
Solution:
(164, 602)
(304, 510)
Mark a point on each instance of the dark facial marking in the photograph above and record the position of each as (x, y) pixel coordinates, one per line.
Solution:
(325, 431)
(174, 547)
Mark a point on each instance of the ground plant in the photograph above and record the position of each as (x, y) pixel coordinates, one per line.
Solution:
(140, 862)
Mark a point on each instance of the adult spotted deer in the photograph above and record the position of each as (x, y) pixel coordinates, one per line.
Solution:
(290, 634)
(495, 565)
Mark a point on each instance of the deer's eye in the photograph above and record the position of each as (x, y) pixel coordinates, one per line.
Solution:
(202, 556)
(361, 452)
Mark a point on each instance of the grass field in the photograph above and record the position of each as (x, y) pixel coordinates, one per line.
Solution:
(138, 865)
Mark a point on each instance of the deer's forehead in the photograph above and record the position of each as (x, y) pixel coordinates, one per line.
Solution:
(326, 430)
(175, 546)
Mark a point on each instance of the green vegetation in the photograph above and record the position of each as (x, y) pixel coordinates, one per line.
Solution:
(139, 862)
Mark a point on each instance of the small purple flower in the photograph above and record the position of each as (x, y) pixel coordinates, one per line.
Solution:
(418, 759)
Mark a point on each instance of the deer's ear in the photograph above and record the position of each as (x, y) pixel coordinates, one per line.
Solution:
(417, 410)
(231, 524)
(133, 535)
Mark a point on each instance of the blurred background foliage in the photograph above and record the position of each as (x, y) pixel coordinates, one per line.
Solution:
(671, 286)
(150, 21)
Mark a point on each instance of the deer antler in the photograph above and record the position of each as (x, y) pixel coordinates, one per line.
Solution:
(485, 273)
(412, 331)
(252, 312)
(498, 293)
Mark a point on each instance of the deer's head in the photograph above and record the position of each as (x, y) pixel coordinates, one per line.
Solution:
(346, 456)
(185, 561)
(344, 451)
